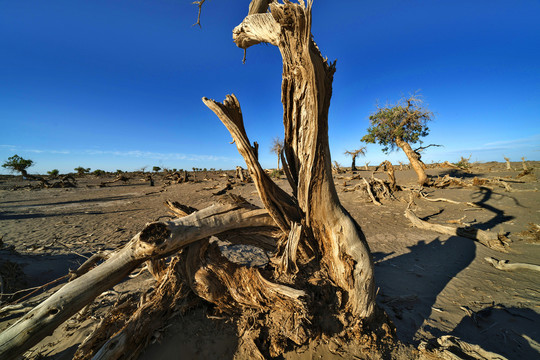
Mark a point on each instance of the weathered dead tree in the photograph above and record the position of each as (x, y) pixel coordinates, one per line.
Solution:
(320, 280)
(389, 168)
(240, 174)
(508, 166)
(524, 164)
(366, 166)
(344, 255)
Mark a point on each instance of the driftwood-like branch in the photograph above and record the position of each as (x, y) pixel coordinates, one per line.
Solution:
(509, 266)
(255, 29)
(446, 200)
(425, 147)
(486, 238)
(280, 205)
(199, 4)
(158, 239)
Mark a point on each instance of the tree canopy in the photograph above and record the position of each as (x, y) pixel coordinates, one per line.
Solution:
(406, 120)
(17, 163)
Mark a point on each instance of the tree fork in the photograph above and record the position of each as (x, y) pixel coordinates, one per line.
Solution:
(306, 93)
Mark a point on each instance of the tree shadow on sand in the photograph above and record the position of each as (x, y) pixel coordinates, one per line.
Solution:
(509, 331)
(410, 283)
(481, 197)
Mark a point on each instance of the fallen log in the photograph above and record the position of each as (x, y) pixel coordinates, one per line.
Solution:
(506, 265)
(156, 240)
(487, 238)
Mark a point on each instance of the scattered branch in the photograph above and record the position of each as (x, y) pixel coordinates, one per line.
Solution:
(506, 265)
(486, 238)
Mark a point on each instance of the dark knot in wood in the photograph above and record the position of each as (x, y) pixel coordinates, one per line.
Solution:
(155, 234)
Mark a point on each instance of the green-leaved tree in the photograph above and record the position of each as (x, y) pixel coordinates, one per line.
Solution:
(400, 125)
(53, 173)
(81, 171)
(19, 164)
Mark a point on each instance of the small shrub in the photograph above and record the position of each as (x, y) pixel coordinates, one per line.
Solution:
(81, 171)
(276, 173)
(53, 173)
(464, 163)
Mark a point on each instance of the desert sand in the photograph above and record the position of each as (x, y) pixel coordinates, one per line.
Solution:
(430, 284)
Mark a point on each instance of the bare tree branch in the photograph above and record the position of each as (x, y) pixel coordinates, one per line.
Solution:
(425, 147)
(199, 4)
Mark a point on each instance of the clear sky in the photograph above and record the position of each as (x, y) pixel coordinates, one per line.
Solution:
(117, 84)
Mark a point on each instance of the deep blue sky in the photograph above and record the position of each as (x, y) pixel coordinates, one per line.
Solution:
(118, 84)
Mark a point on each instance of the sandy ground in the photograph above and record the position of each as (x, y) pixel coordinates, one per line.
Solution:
(430, 284)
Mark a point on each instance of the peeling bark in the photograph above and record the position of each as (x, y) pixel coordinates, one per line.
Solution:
(306, 93)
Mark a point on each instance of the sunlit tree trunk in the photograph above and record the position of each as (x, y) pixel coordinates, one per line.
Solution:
(413, 159)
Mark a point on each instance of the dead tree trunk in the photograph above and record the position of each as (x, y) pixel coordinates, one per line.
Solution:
(416, 164)
(240, 173)
(508, 167)
(322, 250)
(524, 164)
(389, 168)
(306, 91)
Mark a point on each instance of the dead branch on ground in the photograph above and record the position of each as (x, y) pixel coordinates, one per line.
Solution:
(487, 238)
(158, 239)
(506, 265)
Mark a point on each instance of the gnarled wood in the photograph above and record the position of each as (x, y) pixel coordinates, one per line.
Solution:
(158, 239)
(279, 204)
(306, 93)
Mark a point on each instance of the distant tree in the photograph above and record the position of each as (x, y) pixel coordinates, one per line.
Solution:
(156, 169)
(354, 154)
(53, 173)
(143, 169)
(277, 147)
(81, 171)
(98, 172)
(400, 125)
(17, 163)
(119, 172)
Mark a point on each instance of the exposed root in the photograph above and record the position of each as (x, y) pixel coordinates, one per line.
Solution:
(132, 323)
